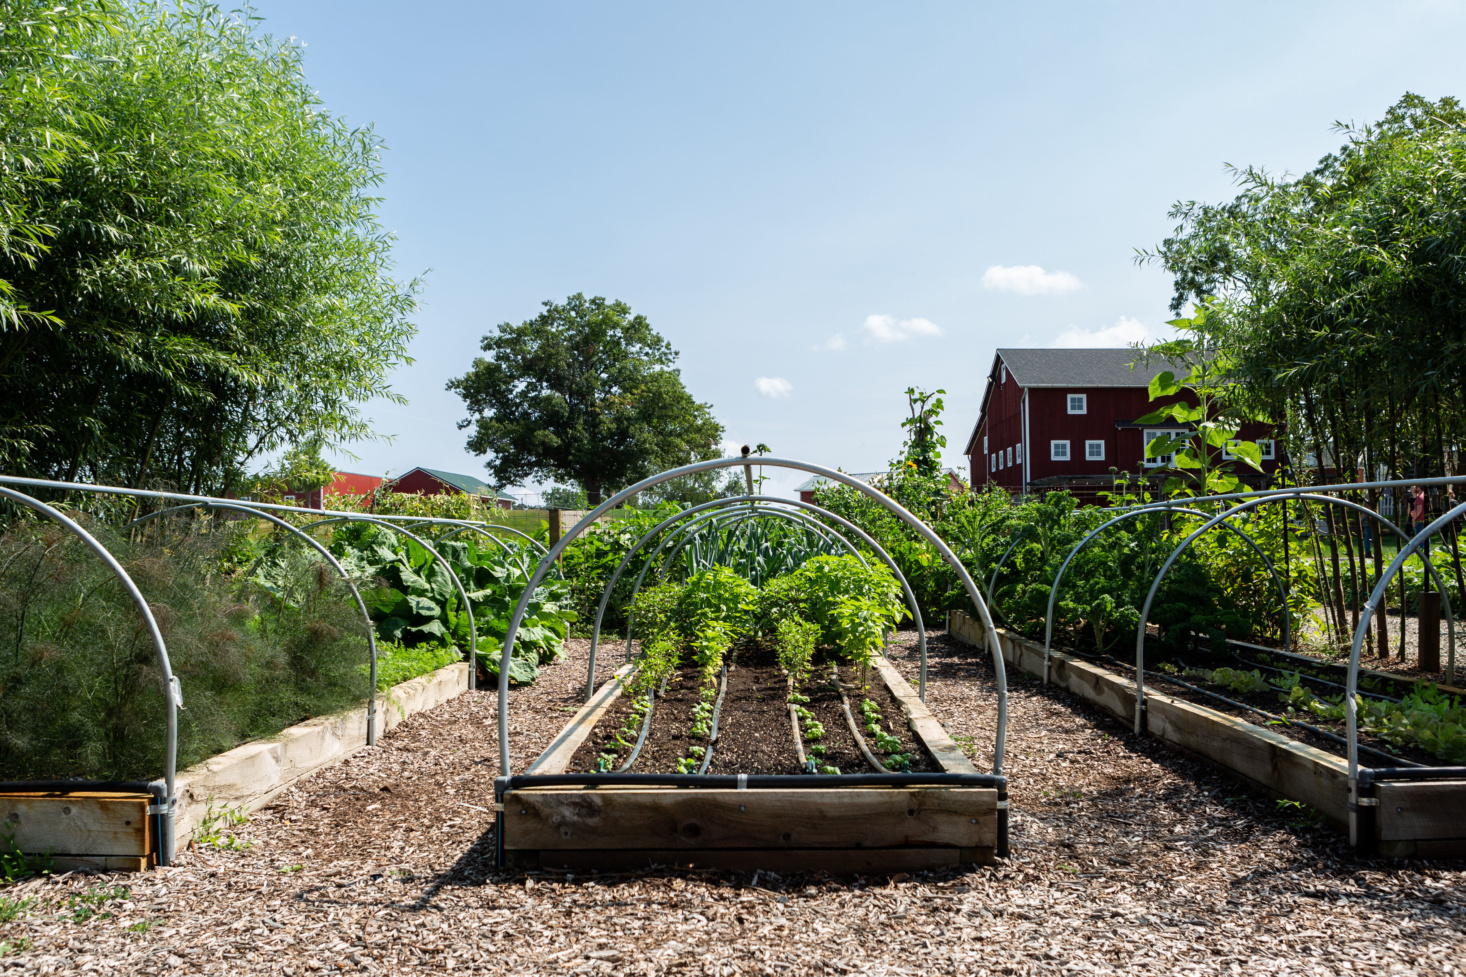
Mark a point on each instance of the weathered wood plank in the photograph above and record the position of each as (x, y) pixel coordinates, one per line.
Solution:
(850, 861)
(1422, 810)
(669, 818)
(921, 721)
(103, 863)
(557, 756)
(98, 823)
(1294, 769)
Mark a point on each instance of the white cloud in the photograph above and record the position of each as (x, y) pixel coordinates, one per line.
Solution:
(774, 386)
(1029, 280)
(888, 329)
(836, 341)
(1124, 332)
(730, 449)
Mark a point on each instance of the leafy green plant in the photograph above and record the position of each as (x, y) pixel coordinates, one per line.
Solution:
(396, 663)
(881, 740)
(18, 945)
(416, 603)
(794, 643)
(210, 828)
(86, 905)
(16, 864)
(13, 909)
(1232, 679)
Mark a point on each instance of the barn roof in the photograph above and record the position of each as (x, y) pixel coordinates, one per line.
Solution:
(463, 483)
(1083, 367)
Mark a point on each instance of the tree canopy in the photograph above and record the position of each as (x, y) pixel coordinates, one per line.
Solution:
(1340, 295)
(192, 274)
(585, 391)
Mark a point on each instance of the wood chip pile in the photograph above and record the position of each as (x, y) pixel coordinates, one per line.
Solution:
(1126, 859)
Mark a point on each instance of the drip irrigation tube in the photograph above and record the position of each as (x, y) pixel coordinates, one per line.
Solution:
(1312, 678)
(750, 781)
(1368, 775)
(870, 757)
(1283, 719)
(707, 757)
(1405, 680)
(646, 726)
(798, 738)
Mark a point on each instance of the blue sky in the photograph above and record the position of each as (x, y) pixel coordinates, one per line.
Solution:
(807, 199)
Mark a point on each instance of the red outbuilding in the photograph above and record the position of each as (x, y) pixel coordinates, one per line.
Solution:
(1066, 419)
(431, 481)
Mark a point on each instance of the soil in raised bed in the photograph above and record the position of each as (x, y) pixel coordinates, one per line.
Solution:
(754, 733)
(668, 741)
(893, 718)
(602, 738)
(1269, 701)
(824, 701)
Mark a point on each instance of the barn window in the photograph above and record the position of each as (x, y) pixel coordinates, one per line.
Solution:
(1078, 403)
(1166, 459)
(1094, 451)
(992, 463)
(984, 444)
(1010, 458)
(1058, 450)
(1004, 374)
(1266, 445)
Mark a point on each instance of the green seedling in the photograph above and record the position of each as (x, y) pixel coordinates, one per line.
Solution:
(18, 945)
(210, 833)
(13, 909)
(85, 905)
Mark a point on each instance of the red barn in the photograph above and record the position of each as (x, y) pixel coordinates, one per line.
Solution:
(430, 481)
(1065, 419)
(345, 483)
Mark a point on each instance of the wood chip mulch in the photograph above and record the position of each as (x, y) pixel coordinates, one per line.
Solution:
(1126, 859)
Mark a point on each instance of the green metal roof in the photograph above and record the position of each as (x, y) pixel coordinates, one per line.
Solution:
(467, 483)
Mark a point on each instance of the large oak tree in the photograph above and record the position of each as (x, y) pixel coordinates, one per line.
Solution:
(584, 391)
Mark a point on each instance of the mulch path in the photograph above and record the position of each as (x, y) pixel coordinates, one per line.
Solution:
(1126, 859)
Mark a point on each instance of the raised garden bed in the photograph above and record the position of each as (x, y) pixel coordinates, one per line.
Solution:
(104, 827)
(1424, 818)
(756, 806)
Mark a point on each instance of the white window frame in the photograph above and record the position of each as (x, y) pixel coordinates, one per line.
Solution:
(984, 444)
(1083, 403)
(1268, 446)
(1004, 374)
(1009, 462)
(1090, 455)
(992, 463)
(1150, 434)
(1054, 451)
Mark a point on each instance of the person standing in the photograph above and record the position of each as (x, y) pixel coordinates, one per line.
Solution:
(1417, 510)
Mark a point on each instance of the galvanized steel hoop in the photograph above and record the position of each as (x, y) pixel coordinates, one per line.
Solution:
(335, 564)
(890, 504)
(1147, 510)
(1252, 503)
(766, 501)
(457, 584)
(172, 692)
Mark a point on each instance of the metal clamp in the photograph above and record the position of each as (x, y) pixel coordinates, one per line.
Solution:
(743, 781)
(1002, 805)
